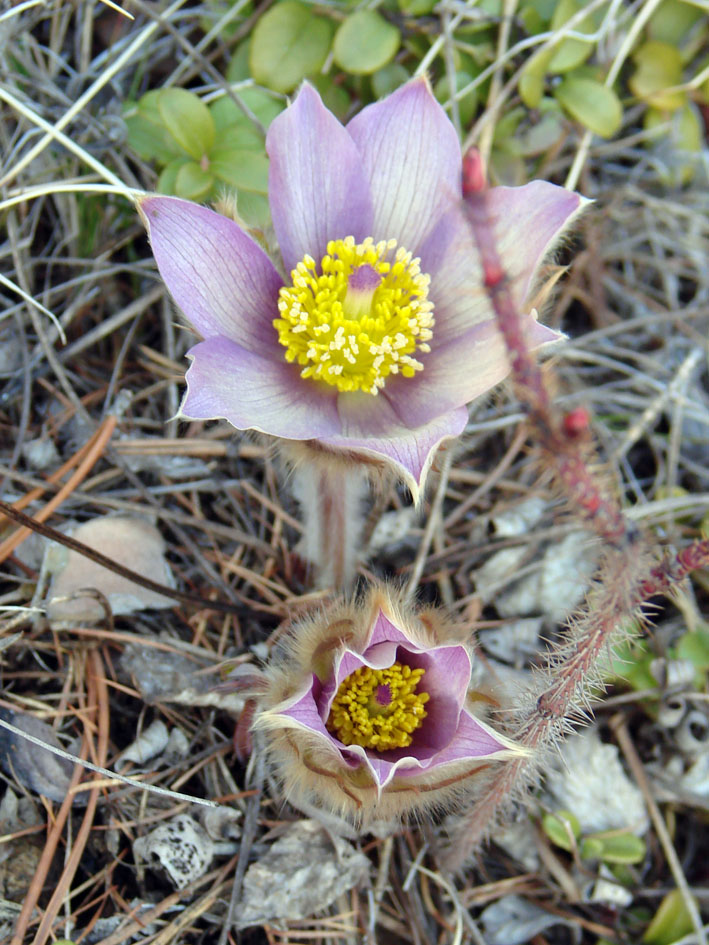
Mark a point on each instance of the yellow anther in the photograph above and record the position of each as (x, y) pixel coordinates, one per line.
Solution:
(357, 318)
(378, 708)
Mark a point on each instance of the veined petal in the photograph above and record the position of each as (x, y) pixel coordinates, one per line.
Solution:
(317, 186)
(460, 371)
(411, 156)
(225, 381)
(370, 425)
(528, 221)
(474, 739)
(222, 280)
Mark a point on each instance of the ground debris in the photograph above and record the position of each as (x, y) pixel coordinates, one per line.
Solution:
(129, 541)
(303, 872)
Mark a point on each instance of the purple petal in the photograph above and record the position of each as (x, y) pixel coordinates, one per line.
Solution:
(225, 381)
(317, 188)
(412, 160)
(221, 279)
(528, 222)
(384, 631)
(459, 371)
(370, 425)
(474, 739)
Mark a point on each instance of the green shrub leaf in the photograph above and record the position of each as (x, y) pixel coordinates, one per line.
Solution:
(570, 52)
(365, 42)
(187, 119)
(247, 170)
(658, 68)
(597, 108)
(192, 182)
(288, 43)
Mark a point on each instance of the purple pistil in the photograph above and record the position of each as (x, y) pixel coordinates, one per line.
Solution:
(383, 696)
(363, 279)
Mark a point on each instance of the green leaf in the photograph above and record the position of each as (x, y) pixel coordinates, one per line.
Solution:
(694, 646)
(591, 848)
(167, 181)
(288, 43)
(622, 848)
(228, 116)
(672, 921)
(365, 42)
(334, 96)
(570, 52)
(389, 79)
(671, 20)
(238, 68)
(147, 134)
(187, 119)
(562, 828)
(658, 68)
(247, 170)
(416, 7)
(253, 209)
(597, 108)
(531, 81)
(193, 182)
(467, 105)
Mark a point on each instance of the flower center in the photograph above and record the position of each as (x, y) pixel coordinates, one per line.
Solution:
(358, 317)
(378, 708)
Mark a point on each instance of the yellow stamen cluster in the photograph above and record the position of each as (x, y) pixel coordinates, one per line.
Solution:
(360, 716)
(350, 338)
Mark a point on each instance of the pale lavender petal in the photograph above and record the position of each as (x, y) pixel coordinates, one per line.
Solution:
(459, 371)
(370, 425)
(384, 631)
(303, 710)
(411, 157)
(221, 279)
(225, 381)
(318, 190)
(529, 221)
(474, 739)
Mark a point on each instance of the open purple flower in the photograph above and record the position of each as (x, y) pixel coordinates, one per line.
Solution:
(372, 331)
(367, 712)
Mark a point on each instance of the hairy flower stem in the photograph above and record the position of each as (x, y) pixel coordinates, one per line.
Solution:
(331, 494)
(628, 574)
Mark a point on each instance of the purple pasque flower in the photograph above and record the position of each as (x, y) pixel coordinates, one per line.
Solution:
(372, 331)
(367, 715)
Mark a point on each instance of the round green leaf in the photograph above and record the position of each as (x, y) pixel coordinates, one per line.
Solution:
(531, 81)
(187, 119)
(288, 43)
(253, 209)
(597, 108)
(247, 170)
(416, 7)
(658, 68)
(562, 828)
(365, 42)
(167, 181)
(193, 182)
(671, 20)
(570, 52)
(147, 133)
(389, 79)
(623, 848)
(335, 97)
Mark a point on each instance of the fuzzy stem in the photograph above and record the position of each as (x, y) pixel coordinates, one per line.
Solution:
(628, 573)
(331, 497)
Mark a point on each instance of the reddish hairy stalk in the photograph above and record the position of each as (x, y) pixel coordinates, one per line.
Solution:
(627, 575)
(561, 438)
